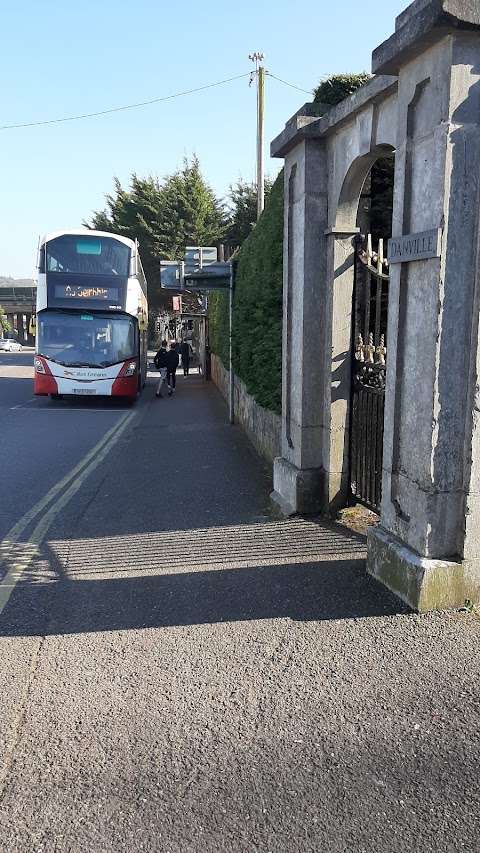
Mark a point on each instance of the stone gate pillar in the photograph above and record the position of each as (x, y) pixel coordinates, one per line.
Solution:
(337, 364)
(298, 474)
(427, 547)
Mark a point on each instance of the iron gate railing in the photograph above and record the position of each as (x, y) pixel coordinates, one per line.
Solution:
(370, 312)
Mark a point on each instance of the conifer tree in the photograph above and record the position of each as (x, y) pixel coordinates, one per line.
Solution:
(243, 211)
(164, 217)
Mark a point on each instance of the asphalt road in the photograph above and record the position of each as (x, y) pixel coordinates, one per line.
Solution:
(184, 671)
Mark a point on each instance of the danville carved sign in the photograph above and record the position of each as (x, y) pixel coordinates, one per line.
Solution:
(414, 247)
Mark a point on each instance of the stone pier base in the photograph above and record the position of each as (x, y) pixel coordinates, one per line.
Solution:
(297, 490)
(424, 584)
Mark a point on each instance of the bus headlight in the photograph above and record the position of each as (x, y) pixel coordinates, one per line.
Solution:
(131, 368)
(39, 366)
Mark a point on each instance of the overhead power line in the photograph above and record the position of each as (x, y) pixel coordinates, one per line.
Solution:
(142, 103)
(288, 84)
(128, 107)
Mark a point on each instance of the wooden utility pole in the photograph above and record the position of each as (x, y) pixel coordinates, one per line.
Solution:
(260, 78)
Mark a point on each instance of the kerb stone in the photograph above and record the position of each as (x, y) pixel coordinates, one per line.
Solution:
(422, 583)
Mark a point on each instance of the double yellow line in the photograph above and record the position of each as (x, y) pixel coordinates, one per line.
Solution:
(19, 555)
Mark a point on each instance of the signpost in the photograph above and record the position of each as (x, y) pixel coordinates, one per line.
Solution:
(218, 275)
(171, 275)
(197, 257)
(215, 276)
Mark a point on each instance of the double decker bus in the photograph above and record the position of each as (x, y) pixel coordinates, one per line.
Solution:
(91, 320)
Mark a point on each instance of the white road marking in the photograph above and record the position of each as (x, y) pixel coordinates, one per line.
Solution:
(11, 549)
(12, 371)
(18, 528)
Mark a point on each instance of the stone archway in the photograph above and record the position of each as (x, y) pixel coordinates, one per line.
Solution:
(427, 547)
(341, 249)
(352, 186)
(325, 169)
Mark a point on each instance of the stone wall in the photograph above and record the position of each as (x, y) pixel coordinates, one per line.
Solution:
(263, 428)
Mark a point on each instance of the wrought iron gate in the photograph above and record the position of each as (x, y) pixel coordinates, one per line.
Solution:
(370, 311)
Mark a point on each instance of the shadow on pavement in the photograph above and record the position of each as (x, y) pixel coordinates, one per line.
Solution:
(106, 595)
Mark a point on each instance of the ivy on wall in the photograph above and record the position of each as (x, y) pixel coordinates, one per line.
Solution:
(337, 87)
(257, 307)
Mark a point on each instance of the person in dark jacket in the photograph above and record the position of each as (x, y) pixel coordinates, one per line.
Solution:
(160, 362)
(172, 364)
(185, 353)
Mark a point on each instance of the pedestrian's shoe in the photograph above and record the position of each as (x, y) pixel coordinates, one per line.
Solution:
(157, 394)
(169, 392)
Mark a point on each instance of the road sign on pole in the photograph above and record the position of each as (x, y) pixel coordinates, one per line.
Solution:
(215, 276)
(171, 275)
(197, 257)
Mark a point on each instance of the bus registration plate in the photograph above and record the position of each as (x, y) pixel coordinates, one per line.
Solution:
(84, 391)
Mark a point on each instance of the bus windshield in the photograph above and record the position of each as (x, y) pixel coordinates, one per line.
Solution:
(85, 255)
(87, 339)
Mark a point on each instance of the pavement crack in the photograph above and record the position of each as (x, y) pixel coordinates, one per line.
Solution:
(18, 721)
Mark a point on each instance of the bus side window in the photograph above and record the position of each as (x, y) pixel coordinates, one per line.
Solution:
(53, 264)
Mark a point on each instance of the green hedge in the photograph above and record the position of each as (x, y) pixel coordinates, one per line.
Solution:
(257, 307)
(218, 324)
(337, 87)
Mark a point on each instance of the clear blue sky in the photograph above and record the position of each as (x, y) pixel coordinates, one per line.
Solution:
(63, 59)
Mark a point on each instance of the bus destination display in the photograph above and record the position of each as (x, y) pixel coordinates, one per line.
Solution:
(80, 292)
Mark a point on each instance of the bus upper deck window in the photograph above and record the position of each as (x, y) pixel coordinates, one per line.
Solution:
(89, 247)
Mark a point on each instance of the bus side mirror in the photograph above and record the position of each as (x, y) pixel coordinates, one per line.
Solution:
(32, 328)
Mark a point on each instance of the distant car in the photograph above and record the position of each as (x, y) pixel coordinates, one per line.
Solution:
(9, 346)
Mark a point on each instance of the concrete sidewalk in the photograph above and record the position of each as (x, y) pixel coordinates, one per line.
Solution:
(236, 682)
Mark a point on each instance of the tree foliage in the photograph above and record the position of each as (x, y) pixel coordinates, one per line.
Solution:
(381, 190)
(164, 217)
(243, 210)
(337, 87)
(4, 324)
(181, 210)
(192, 215)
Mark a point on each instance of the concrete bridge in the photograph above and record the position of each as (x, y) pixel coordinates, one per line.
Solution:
(18, 302)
